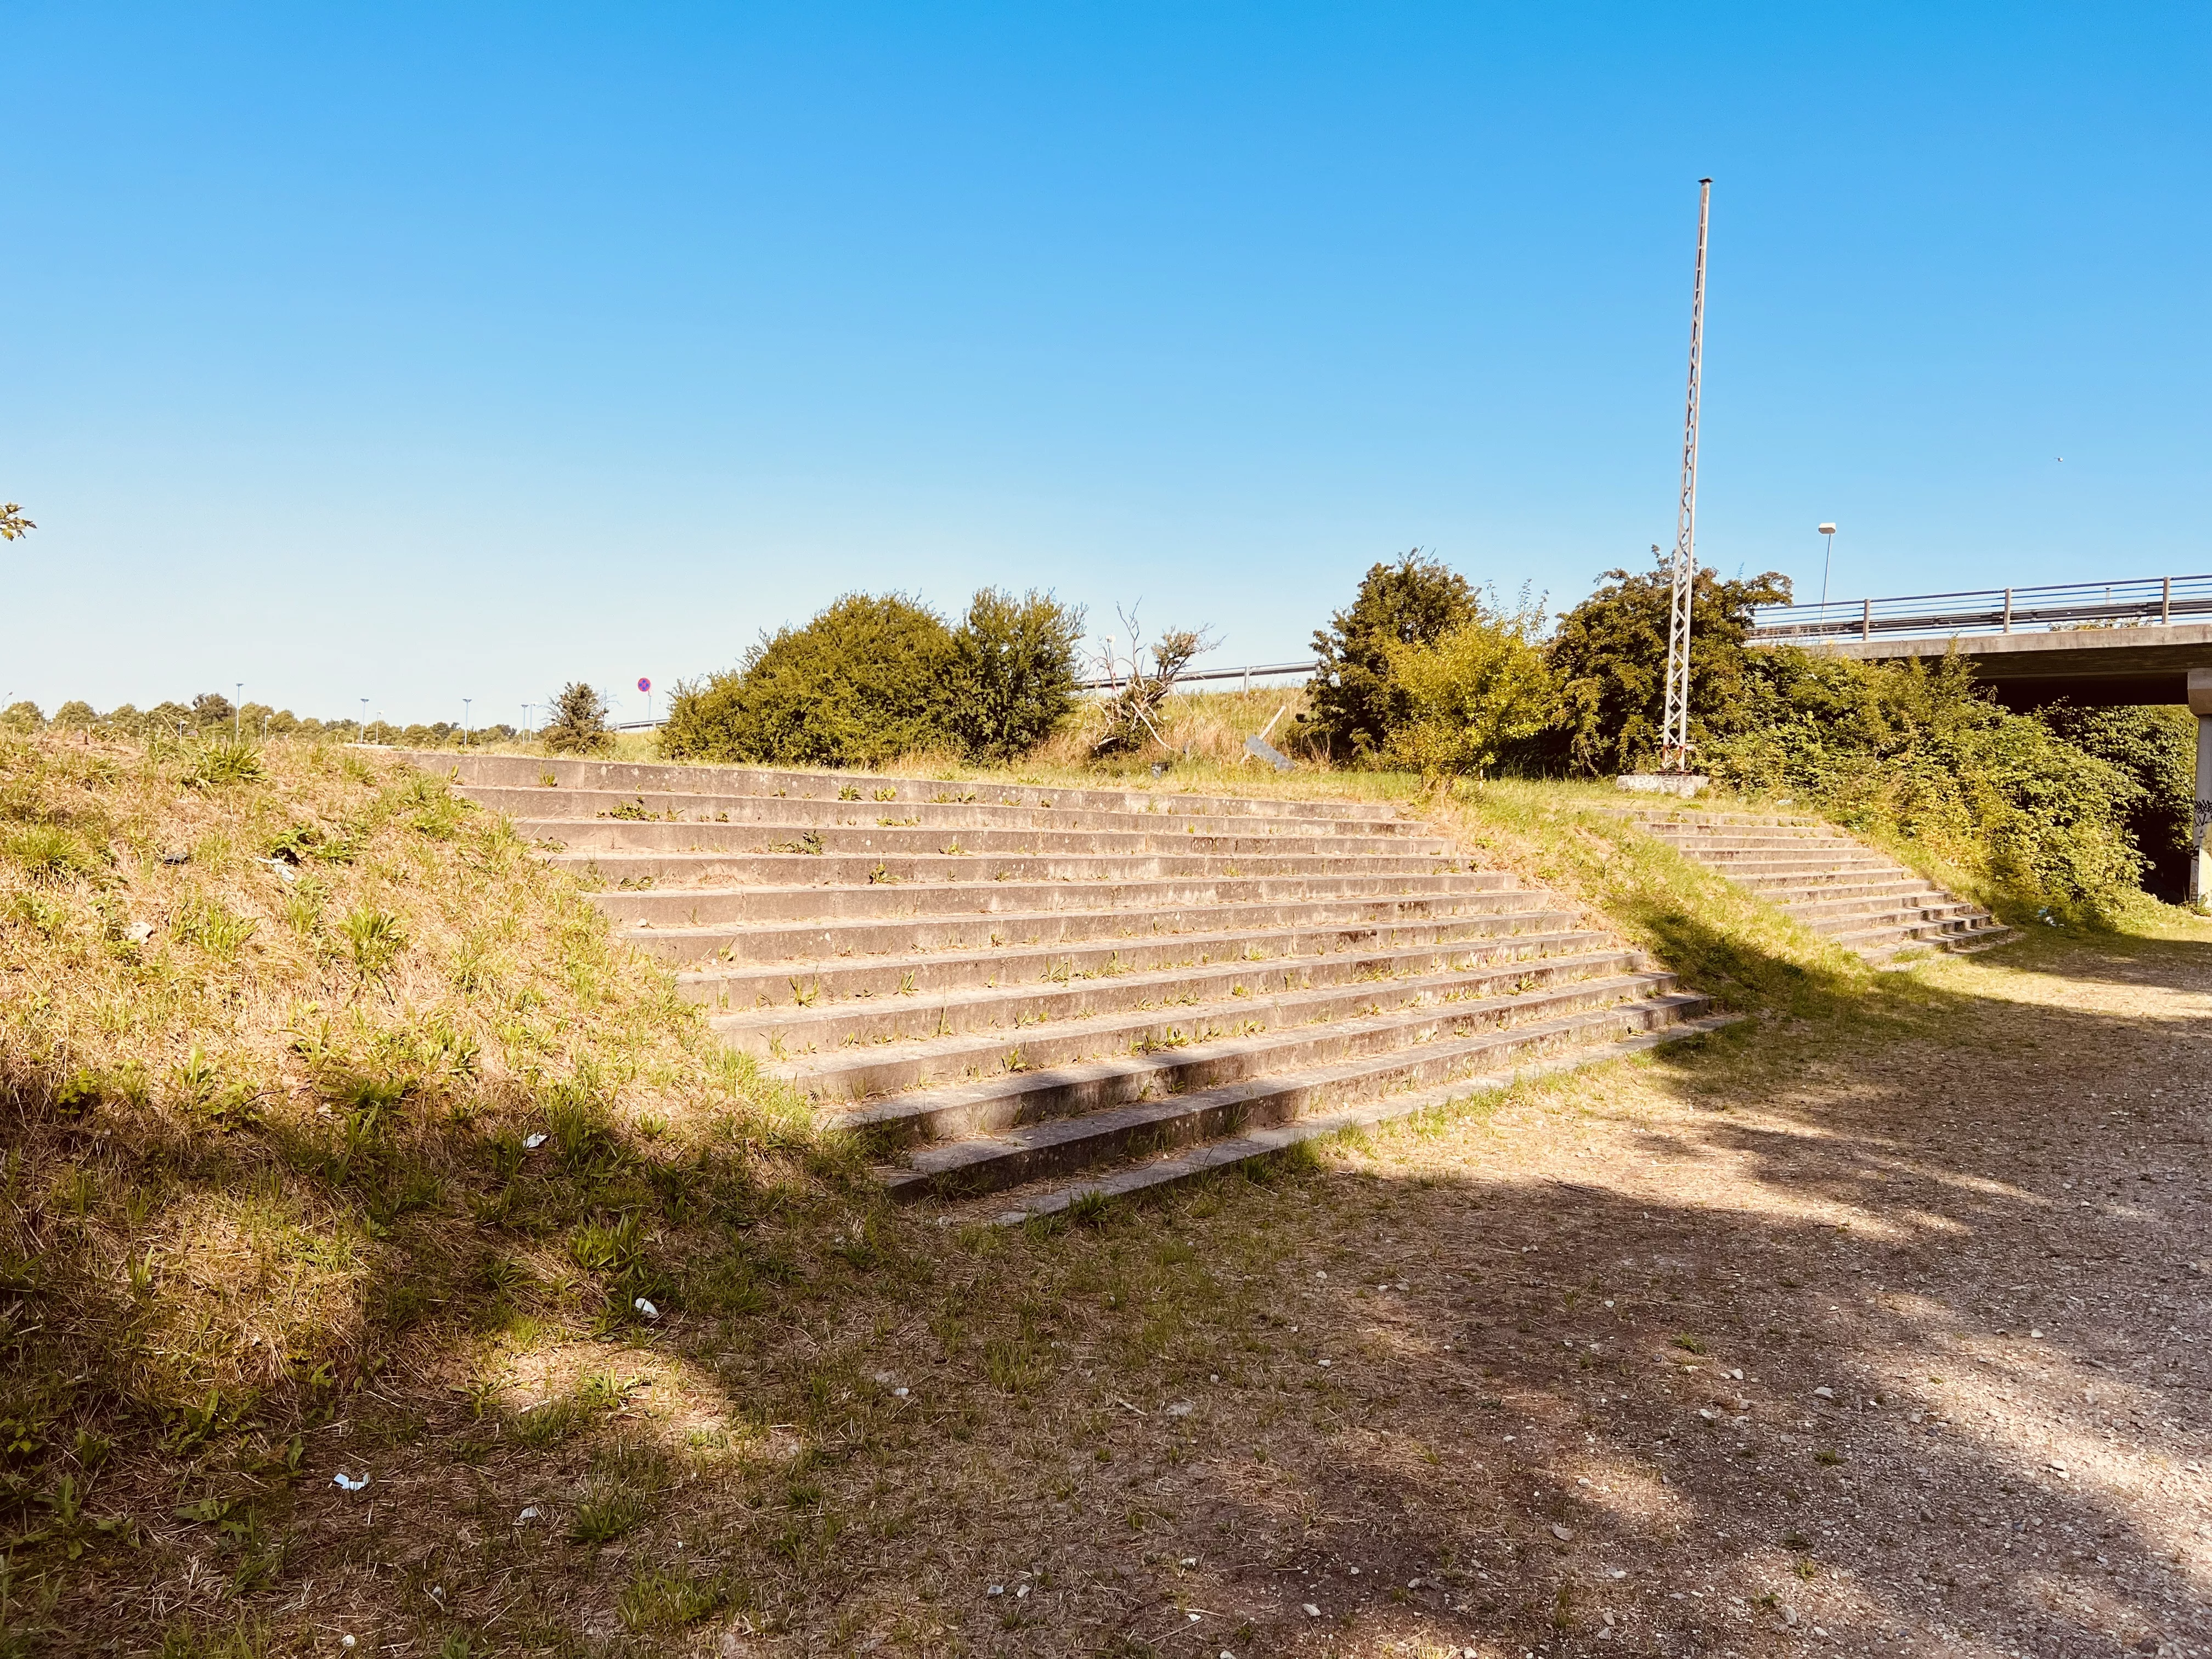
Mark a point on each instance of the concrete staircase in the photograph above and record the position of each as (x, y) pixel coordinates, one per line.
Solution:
(1020, 996)
(1835, 885)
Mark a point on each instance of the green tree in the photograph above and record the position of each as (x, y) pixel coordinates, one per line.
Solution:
(576, 722)
(1013, 673)
(22, 717)
(74, 716)
(1471, 696)
(1354, 702)
(864, 681)
(1609, 657)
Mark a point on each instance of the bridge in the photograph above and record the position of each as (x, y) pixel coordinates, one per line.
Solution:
(2146, 640)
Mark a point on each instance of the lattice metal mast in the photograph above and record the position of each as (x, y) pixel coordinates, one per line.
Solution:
(1674, 730)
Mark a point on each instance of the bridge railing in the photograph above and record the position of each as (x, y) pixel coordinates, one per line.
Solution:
(1273, 670)
(2142, 602)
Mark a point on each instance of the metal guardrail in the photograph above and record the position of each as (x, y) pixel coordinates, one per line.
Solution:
(1255, 671)
(2142, 602)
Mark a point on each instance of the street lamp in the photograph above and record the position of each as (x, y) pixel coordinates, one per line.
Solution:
(237, 710)
(465, 702)
(364, 719)
(1829, 531)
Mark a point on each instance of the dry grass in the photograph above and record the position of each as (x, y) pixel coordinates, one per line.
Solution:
(325, 1248)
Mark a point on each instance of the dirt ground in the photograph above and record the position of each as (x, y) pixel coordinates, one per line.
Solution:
(1882, 1340)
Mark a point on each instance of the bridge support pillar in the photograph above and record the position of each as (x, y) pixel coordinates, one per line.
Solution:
(2200, 837)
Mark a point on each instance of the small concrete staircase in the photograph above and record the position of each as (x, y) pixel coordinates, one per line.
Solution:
(1837, 886)
(1021, 996)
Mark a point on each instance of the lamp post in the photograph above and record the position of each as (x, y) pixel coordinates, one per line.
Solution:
(465, 702)
(237, 710)
(1829, 531)
(364, 719)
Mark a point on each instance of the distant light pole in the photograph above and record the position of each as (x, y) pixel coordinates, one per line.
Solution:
(465, 702)
(238, 710)
(526, 708)
(1829, 531)
(364, 719)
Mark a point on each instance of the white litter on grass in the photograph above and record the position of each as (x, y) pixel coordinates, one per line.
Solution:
(139, 932)
(342, 1479)
(1181, 1409)
(346, 1641)
(533, 1142)
(996, 1589)
(1824, 1392)
(530, 1514)
(645, 1307)
(898, 1393)
(1311, 1611)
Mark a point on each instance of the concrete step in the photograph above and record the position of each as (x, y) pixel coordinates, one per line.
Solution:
(1896, 936)
(1759, 862)
(898, 838)
(617, 869)
(1984, 937)
(697, 907)
(932, 973)
(1916, 896)
(647, 778)
(1379, 1015)
(1791, 890)
(1055, 1147)
(946, 1111)
(1915, 916)
(1046, 1198)
(1754, 842)
(1228, 991)
(1355, 919)
(797, 813)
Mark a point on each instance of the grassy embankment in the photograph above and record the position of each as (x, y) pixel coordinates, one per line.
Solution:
(277, 1038)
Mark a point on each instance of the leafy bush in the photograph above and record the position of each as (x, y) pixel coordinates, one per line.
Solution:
(1480, 689)
(1920, 752)
(874, 677)
(1610, 658)
(862, 682)
(224, 761)
(1355, 700)
(576, 721)
(1014, 673)
(2156, 748)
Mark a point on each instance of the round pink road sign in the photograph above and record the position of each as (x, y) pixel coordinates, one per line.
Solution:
(645, 685)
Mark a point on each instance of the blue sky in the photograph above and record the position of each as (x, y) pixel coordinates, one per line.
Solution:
(417, 354)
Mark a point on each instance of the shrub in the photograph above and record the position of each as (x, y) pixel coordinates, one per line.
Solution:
(2156, 748)
(1013, 673)
(1355, 700)
(1920, 751)
(22, 717)
(576, 721)
(74, 716)
(1610, 658)
(223, 761)
(1132, 714)
(1480, 689)
(875, 677)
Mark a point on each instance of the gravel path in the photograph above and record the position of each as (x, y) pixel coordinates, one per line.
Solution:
(1886, 1337)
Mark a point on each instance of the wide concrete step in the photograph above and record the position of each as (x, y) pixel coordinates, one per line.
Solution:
(932, 973)
(703, 905)
(1355, 920)
(1139, 1174)
(1890, 938)
(1786, 890)
(1756, 862)
(828, 869)
(647, 778)
(1229, 990)
(1904, 895)
(1759, 843)
(1860, 922)
(896, 838)
(865, 806)
(1368, 1017)
(1006, 1156)
(1983, 936)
